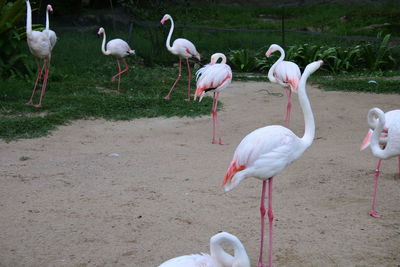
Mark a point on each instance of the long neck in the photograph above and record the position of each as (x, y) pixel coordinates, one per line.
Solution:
(168, 42)
(223, 61)
(272, 69)
(309, 122)
(28, 18)
(379, 124)
(223, 258)
(47, 19)
(103, 45)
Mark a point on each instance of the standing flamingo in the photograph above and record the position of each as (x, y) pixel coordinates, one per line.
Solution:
(213, 77)
(218, 257)
(265, 152)
(285, 73)
(118, 48)
(183, 48)
(50, 33)
(40, 47)
(386, 133)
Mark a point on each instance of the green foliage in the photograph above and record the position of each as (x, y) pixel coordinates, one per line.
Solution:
(241, 60)
(377, 57)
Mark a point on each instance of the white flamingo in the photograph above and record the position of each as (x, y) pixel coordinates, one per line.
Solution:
(286, 73)
(50, 33)
(40, 47)
(118, 48)
(218, 257)
(183, 48)
(385, 134)
(213, 78)
(267, 151)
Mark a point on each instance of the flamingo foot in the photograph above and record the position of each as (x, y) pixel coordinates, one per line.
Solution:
(187, 99)
(220, 142)
(115, 92)
(38, 105)
(166, 97)
(29, 102)
(261, 265)
(374, 214)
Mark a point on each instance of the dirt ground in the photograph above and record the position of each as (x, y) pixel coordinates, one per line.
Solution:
(136, 193)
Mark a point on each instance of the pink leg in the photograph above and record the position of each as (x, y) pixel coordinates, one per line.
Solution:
(216, 124)
(39, 76)
(262, 213)
(189, 78)
(289, 105)
(176, 81)
(214, 114)
(377, 173)
(120, 72)
(46, 75)
(271, 218)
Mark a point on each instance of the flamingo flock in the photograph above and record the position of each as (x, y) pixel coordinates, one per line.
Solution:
(262, 154)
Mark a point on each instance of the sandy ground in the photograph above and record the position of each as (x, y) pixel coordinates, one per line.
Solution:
(73, 204)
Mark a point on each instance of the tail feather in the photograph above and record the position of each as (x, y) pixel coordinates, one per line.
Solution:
(232, 170)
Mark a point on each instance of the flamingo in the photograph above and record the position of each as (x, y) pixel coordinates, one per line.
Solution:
(184, 49)
(213, 77)
(50, 33)
(118, 48)
(286, 73)
(265, 152)
(385, 133)
(218, 257)
(40, 47)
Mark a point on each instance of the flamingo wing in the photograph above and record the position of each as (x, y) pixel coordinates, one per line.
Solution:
(39, 44)
(119, 48)
(212, 77)
(185, 48)
(52, 37)
(195, 260)
(288, 74)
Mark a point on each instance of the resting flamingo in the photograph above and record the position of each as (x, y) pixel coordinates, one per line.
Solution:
(40, 47)
(50, 33)
(118, 48)
(385, 133)
(265, 152)
(218, 257)
(285, 73)
(184, 49)
(213, 78)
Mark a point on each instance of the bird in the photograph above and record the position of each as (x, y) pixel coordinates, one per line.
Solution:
(267, 151)
(118, 48)
(40, 46)
(213, 77)
(217, 258)
(184, 49)
(50, 33)
(384, 140)
(286, 73)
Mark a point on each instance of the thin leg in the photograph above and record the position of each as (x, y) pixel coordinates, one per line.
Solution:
(189, 78)
(119, 74)
(46, 75)
(38, 77)
(289, 105)
(377, 173)
(399, 164)
(214, 114)
(270, 218)
(262, 213)
(217, 121)
(176, 81)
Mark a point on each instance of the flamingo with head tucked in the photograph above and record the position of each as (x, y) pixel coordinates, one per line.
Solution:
(40, 47)
(267, 151)
(385, 133)
(118, 48)
(184, 49)
(213, 77)
(286, 73)
(217, 258)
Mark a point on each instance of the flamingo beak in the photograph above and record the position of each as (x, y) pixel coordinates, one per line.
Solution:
(162, 21)
(202, 95)
(268, 53)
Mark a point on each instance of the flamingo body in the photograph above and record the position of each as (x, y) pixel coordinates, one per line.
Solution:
(39, 44)
(184, 48)
(217, 258)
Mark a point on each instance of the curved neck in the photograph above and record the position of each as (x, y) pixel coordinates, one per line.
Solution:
(28, 18)
(223, 57)
(379, 125)
(272, 69)
(103, 45)
(47, 19)
(168, 42)
(223, 258)
(309, 122)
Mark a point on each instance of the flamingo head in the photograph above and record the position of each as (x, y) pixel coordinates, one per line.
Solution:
(215, 57)
(165, 18)
(50, 8)
(101, 30)
(272, 49)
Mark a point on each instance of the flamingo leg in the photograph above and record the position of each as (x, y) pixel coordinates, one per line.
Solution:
(38, 77)
(289, 105)
(119, 74)
(270, 218)
(46, 75)
(377, 173)
(176, 81)
(214, 114)
(215, 120)
(399, 164)
(189, 78)
(262, 213)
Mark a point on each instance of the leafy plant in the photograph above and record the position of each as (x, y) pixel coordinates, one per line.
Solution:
(377, 57)
(242, 61)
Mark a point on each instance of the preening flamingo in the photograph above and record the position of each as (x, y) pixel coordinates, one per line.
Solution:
(50, 33)
(265, 152)
(213, 78)
(118, 48)
(285, 73)
(218, 257)
(183, 48)
(40, 47)
(385, 133)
